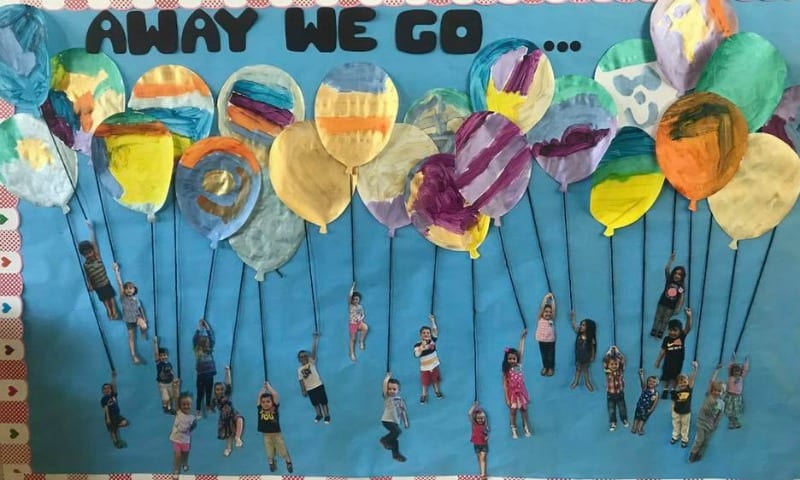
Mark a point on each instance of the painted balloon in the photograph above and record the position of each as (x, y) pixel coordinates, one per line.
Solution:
(627, 182)
(217, 183)
(750, 72)
(685, 33)
(785, 121)
(257, 102)
(178, 98)
(630, 73)
(700, 143)
(575, 132)
(85, 89)
(493, 163)
(34, 165)
(24, 62)
(307, 178)
(512, 77)
(439, 113)
(437, 209)
(763, 191)
(355, 112)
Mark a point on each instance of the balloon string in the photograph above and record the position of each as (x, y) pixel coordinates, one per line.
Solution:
(175, 258)
(511, 278)
(433, 283)
(569, 262)
(389, 317)
(89, 294)
(262, 322)
(689, 273)
(644, 289)
(728, 307)
(755, 291)
(538, 239)
(699, 315)
(238, 312)
(73, 182)
(105, 217)
(155, 276)
(352, 234)
(613, 296)
(311, 279)
(209, 284)
(674, 215)
(474, 333)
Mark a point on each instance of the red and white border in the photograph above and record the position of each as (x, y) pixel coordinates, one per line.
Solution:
(142, 476)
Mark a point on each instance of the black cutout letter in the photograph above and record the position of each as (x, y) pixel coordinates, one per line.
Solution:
(236, 27)
(348, 29)
(299, 35)
(404, 32)
(142, 38)
(191, 32)
(452, 20)
(96, 33)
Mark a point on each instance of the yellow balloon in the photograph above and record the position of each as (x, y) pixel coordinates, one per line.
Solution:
(763, 191)
(306, 177)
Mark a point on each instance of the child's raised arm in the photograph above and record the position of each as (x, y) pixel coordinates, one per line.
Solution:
(688, 327)
(471, 410)
(522, 344)
(434, 327)
(314, 344)
(547, 300)
(114, 382)
(155, 348)
(275, 398)
(350, 294)
(642, 381)
(261, 392)
(693, 375)
(572, 321)
(714, 376)
(228, 376)
(746, 366)
(117, 275)
(668, 266)
(385, 388)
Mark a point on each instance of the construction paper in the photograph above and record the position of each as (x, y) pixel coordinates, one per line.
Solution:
(132, 158)
(85, 90)
(627, 182)
(493, 163)
(24, 65)
(750, 72)
(630, 73)
(257, 102)
(382, 182)
(785, 121)
(512, 77)
(437, 209)
(439, 113)
(576, 130)
(355, 111)
(34, 165)
(217, 183)
(700, 142)
(308, 179)
(178, 98)
(761, 193)
(685, 33)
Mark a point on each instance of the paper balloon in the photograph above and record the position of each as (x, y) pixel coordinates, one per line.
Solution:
(439, 212)
(575, 132)
(493, 163)
(24, 63)
(685, 33)
(763, 191)
(381, 182)
(785, 121)
(271, 236)
(627, 181)
(700, 142)
(34, 165)
(308, 179)
(178, 98)
(750, 72)
(257, 102)
(217, 183)
(132, 158)
(439, 113)
(629, 72)
(512, 77)
(355, 111)
(85, 90)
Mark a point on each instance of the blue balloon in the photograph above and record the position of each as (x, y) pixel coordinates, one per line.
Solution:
(24, 62)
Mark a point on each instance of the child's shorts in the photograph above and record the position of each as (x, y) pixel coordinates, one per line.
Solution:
(115, 422)
(670, 372)
(273, 444)
(106, 292)
(353, 327)
(166, 390)
(430, 376)
(318, 396)
(181, 447)
(481, 448)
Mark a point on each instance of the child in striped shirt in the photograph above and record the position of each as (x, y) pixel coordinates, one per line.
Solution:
(96, 277)
(425, 350)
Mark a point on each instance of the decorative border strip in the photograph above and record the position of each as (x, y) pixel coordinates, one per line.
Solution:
(164, 476)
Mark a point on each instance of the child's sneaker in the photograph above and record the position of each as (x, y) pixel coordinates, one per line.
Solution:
(120, 444)
(327, 420)
(239, 443)
(272, 466)
(226, 452)
(423, 399)
(684, 444)
(165, 409)
(289, 467)
(673, 441)
(399, 457)
(526, 431)
(625, 424)
(514, 432)
(439, 395)
(612, 427)
(317, 418)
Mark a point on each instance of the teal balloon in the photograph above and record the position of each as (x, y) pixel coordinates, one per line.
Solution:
(750, 72)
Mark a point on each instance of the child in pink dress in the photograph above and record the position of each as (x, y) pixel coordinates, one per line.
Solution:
(516, 394)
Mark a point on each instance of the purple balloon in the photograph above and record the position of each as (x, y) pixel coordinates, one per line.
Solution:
(785, 121)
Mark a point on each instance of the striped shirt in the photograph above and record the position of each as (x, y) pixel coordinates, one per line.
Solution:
(428, 358)
(96, 272)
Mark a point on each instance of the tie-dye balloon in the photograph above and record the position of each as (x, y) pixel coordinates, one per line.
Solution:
(493, 163)
(575, 132)
(271, 236)
(86, 89)
(439, 212)
(750, 72)
(178, 98)
(439, 113)
(257, 102)
(217, 183)
(785, 121)
(630, 73)
(381, 182)
(685, 33)
(132, 158)
(627, 182)
(355, 111)
(512, 77)
(700, 143)
(34, 165)
(24, 62)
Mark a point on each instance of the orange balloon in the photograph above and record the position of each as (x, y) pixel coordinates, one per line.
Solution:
(700, 143)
